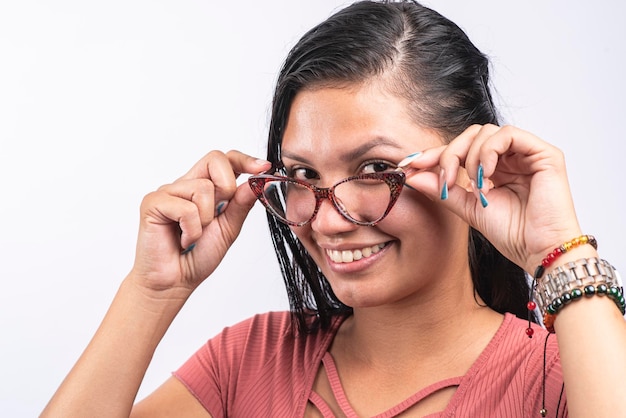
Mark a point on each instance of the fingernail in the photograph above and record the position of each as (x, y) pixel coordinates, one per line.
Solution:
(483, 199)
(444, 184)
(479, 195)
(188, 249)
(221, 206)
(480, 177)
(260, 161)
(409, 158)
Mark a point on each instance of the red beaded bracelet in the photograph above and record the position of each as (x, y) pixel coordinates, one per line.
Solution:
(557, 252)
(547, 262)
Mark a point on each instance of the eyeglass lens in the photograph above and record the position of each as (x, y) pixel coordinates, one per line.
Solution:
(363, 200)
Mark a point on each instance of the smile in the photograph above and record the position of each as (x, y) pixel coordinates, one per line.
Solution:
(348, 256)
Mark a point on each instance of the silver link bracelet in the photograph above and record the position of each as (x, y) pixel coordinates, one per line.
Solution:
(575, 275)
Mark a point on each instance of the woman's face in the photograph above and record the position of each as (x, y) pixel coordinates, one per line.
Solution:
(334, 133)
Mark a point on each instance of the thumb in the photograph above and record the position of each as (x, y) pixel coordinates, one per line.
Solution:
(458, 198)
(234, 212)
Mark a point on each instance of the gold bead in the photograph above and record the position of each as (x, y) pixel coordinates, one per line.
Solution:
(543, 412)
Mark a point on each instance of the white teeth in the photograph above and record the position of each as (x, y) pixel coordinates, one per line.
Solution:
(348, 256)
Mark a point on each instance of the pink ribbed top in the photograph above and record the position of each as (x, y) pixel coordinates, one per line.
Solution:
(257, 368)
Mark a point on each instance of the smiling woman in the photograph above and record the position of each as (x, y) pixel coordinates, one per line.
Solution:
(406, 222)
(324, 127)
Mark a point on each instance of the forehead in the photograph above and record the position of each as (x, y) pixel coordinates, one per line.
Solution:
(327, 123)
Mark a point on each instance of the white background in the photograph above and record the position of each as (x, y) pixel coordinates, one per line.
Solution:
(102, 102)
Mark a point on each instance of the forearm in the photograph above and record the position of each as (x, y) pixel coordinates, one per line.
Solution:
(106, 378)
(592, 342)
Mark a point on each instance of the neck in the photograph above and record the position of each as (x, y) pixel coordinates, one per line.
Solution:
(426, 329)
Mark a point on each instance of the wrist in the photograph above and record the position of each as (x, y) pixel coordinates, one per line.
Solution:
(154, 299)
(576, 247)
(576, 280)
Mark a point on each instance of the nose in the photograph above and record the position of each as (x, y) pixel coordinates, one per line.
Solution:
(328, 220)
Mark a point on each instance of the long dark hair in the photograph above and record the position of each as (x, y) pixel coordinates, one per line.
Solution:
(436, 67)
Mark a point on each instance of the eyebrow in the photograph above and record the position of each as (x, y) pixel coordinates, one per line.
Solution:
(353, 154)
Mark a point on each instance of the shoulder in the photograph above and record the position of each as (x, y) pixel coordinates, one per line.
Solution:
(264, 336)
(258, 363)
(518, 373)
(512, 359)
(268, 338)
(511, 346)
(515, 375)
(259, 328)
(513, 331)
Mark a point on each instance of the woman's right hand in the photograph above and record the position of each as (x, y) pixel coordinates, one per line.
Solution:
(173, 218)
(204, 210)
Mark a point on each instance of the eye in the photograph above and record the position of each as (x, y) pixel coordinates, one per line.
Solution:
(303, 173)
(377, 167)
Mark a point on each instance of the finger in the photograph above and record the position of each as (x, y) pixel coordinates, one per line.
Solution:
(161, 209)
(223, 170)
(425, 182)
(200, 192)
(217, 163)
(473, 163)
(237, 210)
(453, 157)
(220, 234)
(243, 163)
(453, 165)
(216, 167)
(509, 140)
(460, 200)
(435, 184)
(421, 162)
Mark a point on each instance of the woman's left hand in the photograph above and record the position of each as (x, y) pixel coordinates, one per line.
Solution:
(526, 208)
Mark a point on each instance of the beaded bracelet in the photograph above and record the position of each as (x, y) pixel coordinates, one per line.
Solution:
(613, 292)
(557, 252)
(569, 282)
(547, 262)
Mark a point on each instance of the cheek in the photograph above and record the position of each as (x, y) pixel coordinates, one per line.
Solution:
(303, 233)
(315, 252)
(413, 206)
(422, 218)
(299, 211)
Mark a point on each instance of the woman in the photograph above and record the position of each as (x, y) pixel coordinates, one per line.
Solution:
(385, 165)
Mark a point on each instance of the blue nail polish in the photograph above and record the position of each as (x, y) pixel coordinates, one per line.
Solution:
(407, 160)
(188, 249)
(444, 191)
(483, 200)
(479, 177)
(220, 207)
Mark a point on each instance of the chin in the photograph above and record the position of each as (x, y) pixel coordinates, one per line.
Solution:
(361, 295)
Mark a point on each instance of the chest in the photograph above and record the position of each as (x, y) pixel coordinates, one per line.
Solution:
(346, 396)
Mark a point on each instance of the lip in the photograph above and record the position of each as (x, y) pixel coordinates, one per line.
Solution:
(358, 265)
